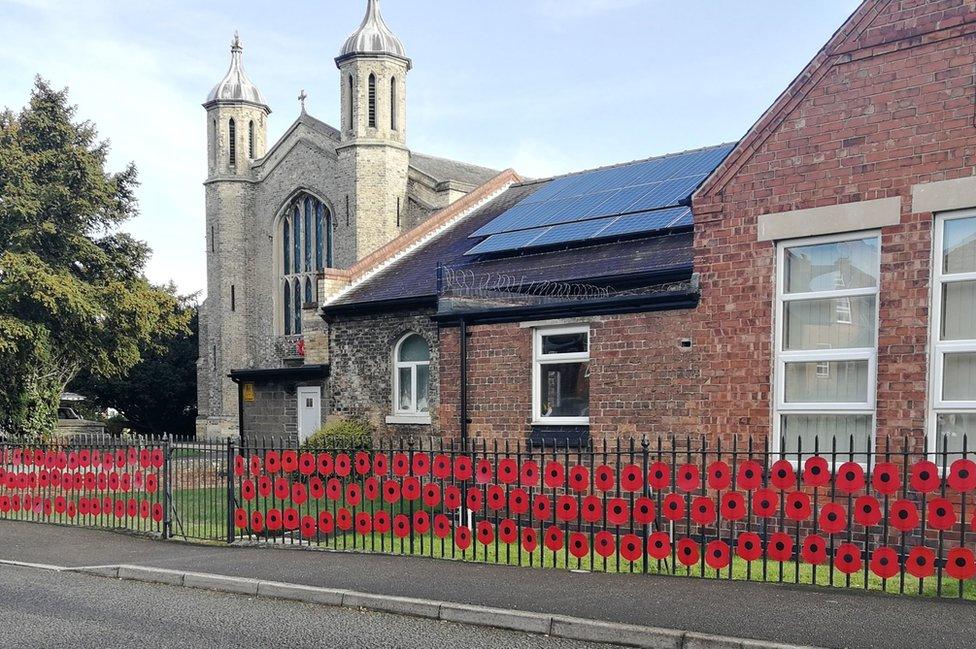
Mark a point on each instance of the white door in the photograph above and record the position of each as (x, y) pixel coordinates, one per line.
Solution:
(309, 411)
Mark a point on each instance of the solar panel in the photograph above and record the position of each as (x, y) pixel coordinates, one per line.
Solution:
(506, 241)
(652, 184)
(644, 222)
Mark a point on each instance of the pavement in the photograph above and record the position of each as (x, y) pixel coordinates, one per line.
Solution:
(49, 609)
(772, 613)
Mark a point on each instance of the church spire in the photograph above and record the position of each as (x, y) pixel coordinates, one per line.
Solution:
(236, 86)
(373, 36)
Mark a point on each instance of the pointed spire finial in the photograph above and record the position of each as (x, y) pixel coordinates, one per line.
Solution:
(236, 45)
(302, 96)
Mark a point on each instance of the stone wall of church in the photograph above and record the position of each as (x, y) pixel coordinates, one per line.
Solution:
(361, 368)
(272, 418)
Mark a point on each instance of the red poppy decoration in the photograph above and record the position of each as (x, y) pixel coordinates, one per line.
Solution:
(452, 497)
(333, 489)
(381, 464)
(495, 495)
(867, 511)
(555, 476)
(401, 464)
(290, 518)
(717, 554)
(530, 539)
(281, 488)
(441, 466)
(257, 520)
(382, 522)
(849, 477)
(483, 472)
(371, 488)
(659, 476)
(814, 550)
(673, 507)
(411, 488)
(264, 486)
(364, 523)
(885, 479)
(238, 465)
(421, 521)
(920, 562)
(247, 490)
(750, 475)
(884, 562)
(942, 515)
(644, 510)
(592, 509)
(554, 538)
(631, 547)
(847, 558)
(343, 465)
(507, 471)
(688, 477)
(362, 462)
(306, 464)
(833, 518)
(659, 545)
(604, 544)
(299, 494)
(816, 471)
(474, 500)
(391, 491)
(401, 526)
(631, 478)
(962, 475)
(289, 461)
(486, 533)
(687, 552)
(749, 546)
(240, 518)
(782, 475)
(462, 537)
(463, 470)
(765, 503)
(733, 506)
(529, 475)
(719, 475)
(618, 512)
(925, 477)
(603, 478)
(421, 464)
(703, 510)
(273, 520)
(567, 509)
(780, 547)
(541, 507)
(798, 506)
(324, 464)
(432, 494)
(518, 502)
(579, 478)
(579, 546)
(903, 515)
(354, 494)
(442, 526)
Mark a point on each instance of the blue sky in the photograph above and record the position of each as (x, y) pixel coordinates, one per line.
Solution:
(544, 86)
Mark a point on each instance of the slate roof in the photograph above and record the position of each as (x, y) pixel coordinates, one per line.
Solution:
(442, 169)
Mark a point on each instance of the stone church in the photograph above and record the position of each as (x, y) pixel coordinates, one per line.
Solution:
(319, 198)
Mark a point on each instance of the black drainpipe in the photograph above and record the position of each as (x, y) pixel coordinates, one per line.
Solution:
(464, 380)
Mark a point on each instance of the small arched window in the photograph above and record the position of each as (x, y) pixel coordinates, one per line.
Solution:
(298, 306)
(216, 136)
(411, 375)
(232, 140)
(372, 101)
(287, 304)
(250, 139)
(349, 107)
(393, 104)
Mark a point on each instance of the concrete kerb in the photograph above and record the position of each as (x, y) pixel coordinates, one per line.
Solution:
(559, 626)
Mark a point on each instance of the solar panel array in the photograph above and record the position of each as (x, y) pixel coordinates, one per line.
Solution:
(640, 197)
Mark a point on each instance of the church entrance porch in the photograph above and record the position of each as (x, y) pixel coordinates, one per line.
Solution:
(282, 405)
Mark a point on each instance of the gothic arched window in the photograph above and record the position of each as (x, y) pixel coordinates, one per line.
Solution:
(232, 140)
(372, 101)
(393, 104)
(411, 375)
(250, 139)
(306, 249)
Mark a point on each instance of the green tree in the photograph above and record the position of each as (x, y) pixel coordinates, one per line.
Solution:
(73, 294)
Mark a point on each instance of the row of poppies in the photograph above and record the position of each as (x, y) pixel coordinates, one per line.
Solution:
(83, 458)
(79, 480)
(63, 506)
(887, 478)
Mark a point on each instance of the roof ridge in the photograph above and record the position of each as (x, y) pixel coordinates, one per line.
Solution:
(618, 165)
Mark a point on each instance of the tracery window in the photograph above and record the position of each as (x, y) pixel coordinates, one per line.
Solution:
(306, 248)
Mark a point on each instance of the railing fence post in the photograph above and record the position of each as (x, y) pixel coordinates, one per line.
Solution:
(230, 491)
(167, 489)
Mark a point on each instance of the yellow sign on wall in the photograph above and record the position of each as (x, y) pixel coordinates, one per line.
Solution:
(248, 392)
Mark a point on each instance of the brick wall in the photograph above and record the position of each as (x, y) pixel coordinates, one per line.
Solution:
(272, 418)
(888, 104)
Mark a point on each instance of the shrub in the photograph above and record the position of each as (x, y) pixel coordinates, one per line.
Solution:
(341, 433)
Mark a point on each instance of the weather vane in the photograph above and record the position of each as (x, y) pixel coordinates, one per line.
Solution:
(302, 97)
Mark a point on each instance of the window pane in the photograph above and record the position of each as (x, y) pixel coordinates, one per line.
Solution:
(297, 248)
(950, 429)
(308, 290)
(832, 266)
(298, 306)
(807, 429)
(423, 379)
(414, 349)
(565, 343)
(319, 235)
(286, 238)
(308, 235)
(405, 401)
(959, 246)
(565, 390)
(833, 323)
(287, 309)
(958, 309)
(827, 382)
(959, 377)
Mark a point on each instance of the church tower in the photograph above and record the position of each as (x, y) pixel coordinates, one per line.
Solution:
(373, 157)
(237, 122)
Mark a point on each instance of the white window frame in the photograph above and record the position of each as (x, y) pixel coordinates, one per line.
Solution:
(782, 357)
(938, 348)
(412, 415)
(539, 359)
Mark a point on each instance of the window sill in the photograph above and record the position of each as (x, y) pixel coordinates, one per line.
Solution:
(419, 420)
(561, 421)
